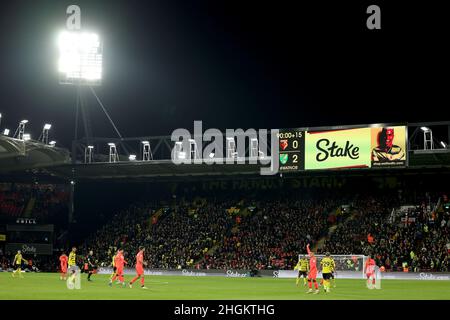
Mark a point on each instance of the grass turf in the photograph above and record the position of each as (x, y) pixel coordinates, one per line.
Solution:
(48, 286)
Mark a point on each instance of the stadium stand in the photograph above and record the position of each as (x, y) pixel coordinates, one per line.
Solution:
(254, 231)
(269, 234)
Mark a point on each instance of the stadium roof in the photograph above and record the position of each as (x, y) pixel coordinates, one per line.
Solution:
(17, 155)
(20, 158)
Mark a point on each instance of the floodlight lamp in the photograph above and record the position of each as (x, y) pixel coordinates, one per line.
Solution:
(90, 147)
(145, 142)
(111, 144)
(26, 137)
(52, 143)
(23, 121)
(425, 129)
(211, 155)
(47, 126)
(80, 57)
(443, 144)
(132, 157)
(6, 132)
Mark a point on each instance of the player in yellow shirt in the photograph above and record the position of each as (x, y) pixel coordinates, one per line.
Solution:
(328, 266)
(18, 259)
(303, 268)
(73, 268)
(333, 269)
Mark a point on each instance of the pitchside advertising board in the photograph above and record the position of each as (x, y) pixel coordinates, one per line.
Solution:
(369, 147)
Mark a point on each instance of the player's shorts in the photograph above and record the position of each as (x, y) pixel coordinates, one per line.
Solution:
(303, 274)
(92, 268)
(332, 275)
(312, 274)
(140, 270)
(326, 276)
(74, 269)
(119, 271)
(370, 275)
(114, 269)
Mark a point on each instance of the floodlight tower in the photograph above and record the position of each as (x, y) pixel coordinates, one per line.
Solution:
(80, 64)
(254, 148)
(20, 131)
(113, 156)
(427, 138)
(146, 151)
(178, 151)
(231, 148)
(88, 154)
(193, 150)
(44, 135)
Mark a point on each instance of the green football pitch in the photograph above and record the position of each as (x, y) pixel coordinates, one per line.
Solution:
(48, 286)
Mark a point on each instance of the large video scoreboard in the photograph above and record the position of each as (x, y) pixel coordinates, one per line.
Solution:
(366, 147)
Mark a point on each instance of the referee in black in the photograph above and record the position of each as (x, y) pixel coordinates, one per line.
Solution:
(92, 264)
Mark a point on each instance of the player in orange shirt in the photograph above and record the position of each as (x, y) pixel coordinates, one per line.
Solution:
(140, 263)
(63, 266)
(312, 271)
(119, 262)
(369, 269)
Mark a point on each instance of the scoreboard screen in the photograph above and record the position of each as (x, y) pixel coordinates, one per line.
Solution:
(373, 146)
(291, 144)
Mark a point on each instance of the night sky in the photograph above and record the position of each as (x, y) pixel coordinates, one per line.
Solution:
(233, 65)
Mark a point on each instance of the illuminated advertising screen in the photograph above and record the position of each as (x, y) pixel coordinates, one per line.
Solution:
(389, 146)
(370, 147)
(338, 149)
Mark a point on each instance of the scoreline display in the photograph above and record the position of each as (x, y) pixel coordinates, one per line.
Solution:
(368, 147)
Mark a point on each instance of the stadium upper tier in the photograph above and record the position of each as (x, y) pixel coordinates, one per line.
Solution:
(19, 155)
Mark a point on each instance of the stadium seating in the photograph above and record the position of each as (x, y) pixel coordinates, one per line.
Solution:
(259, 232)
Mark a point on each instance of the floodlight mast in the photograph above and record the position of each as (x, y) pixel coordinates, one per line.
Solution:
(44, 135)
(80, 64)
(427, 138)
(88, 154)
(20, 131)
(146, 151)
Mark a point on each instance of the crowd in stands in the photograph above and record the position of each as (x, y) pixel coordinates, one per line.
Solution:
(181, 235)
(418, 240)
(37, 204)
(272, 236)
(269, 234)
(254, 233)
(44, 201)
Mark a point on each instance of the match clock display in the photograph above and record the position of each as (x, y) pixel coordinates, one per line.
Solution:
(291, 144)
